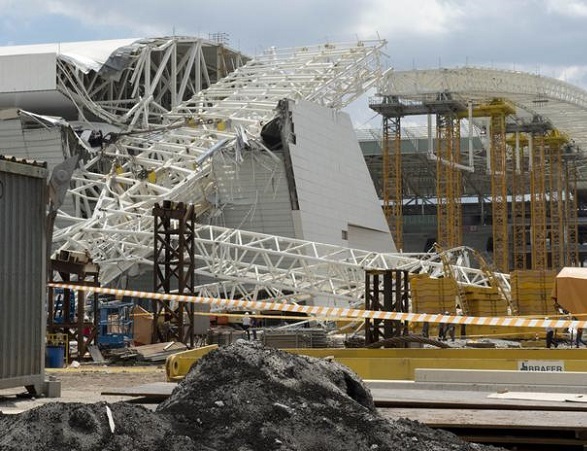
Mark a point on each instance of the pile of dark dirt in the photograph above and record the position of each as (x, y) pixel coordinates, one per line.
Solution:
(241, 397)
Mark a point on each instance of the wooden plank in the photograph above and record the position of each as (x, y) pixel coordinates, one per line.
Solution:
(492, 418)
(540, 396)
(154, 390)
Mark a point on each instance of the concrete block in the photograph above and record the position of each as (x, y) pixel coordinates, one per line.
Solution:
(510, 377)
(52, 388)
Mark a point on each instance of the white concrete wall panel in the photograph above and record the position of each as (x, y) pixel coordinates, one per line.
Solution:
(333, 183)
(23, 73)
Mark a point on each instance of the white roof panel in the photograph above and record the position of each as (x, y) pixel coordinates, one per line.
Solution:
(89, 55)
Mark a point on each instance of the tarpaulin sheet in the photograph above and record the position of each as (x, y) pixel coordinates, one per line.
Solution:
(570, 289)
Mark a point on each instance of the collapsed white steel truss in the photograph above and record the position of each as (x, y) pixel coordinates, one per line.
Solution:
(142, 82)
(302, 269)
(118, 184)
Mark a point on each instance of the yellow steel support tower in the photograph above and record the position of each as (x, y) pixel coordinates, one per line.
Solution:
(571, 207)
(555, 141)
(538, 202)
(497, 111)
(392, 178)
(448, 181)
(520, 187)
(499, 205)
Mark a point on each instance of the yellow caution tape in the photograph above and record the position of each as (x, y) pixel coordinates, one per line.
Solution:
(350, 313)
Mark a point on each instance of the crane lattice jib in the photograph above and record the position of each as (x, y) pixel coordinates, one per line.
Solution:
(116, 187)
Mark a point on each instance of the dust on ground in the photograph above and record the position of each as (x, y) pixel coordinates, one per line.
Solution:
(84, 384)
(241, 397)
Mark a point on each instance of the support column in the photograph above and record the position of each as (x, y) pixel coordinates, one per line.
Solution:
(174, 271)
(387, 291)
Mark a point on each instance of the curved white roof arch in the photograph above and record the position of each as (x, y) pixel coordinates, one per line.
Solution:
(560, 103)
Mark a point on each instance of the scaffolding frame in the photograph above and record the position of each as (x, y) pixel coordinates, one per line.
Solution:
(386, 291)
(174, 263)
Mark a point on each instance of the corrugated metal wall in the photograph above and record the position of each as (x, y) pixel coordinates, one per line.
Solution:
(255, 194)
(22, 273)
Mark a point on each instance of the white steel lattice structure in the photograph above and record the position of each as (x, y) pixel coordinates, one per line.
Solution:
(118, 184)
(171, 105)
(141, 81)
(305, 269)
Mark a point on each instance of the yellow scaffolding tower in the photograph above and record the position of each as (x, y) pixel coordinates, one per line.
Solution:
(572, 207)
(555, 141)
(448, 181)
(392, 178)
(538, 202)
(520, 187)
(497, 110)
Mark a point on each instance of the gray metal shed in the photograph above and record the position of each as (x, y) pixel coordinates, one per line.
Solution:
(23, 188)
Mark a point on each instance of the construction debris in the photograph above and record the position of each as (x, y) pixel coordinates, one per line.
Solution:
(241, 397)
(296, 338)
(157, 352)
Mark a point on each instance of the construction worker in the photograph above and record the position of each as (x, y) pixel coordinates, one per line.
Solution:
(247, 325)
(550, 337)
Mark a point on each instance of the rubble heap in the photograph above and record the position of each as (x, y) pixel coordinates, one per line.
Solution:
(241, 397)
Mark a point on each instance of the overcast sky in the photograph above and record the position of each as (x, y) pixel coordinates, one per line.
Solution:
(547, 37)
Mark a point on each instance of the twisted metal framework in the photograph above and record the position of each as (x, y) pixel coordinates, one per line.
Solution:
(119, 183)
(140, 83)
(275, 265)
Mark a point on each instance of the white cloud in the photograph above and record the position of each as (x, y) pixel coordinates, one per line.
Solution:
(97, 14)
(416, 17)
(569, 8)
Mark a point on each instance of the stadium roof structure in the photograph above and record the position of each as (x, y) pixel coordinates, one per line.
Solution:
(175, 105)
(130, 83)
(558, 103)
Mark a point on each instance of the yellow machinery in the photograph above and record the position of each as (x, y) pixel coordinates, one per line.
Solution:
(400, 363)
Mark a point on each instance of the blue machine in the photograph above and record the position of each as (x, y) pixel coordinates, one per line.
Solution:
(58, 306)
(115, 327)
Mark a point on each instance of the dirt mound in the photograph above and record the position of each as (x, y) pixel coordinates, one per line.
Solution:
(241, 397)
(87, 427)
